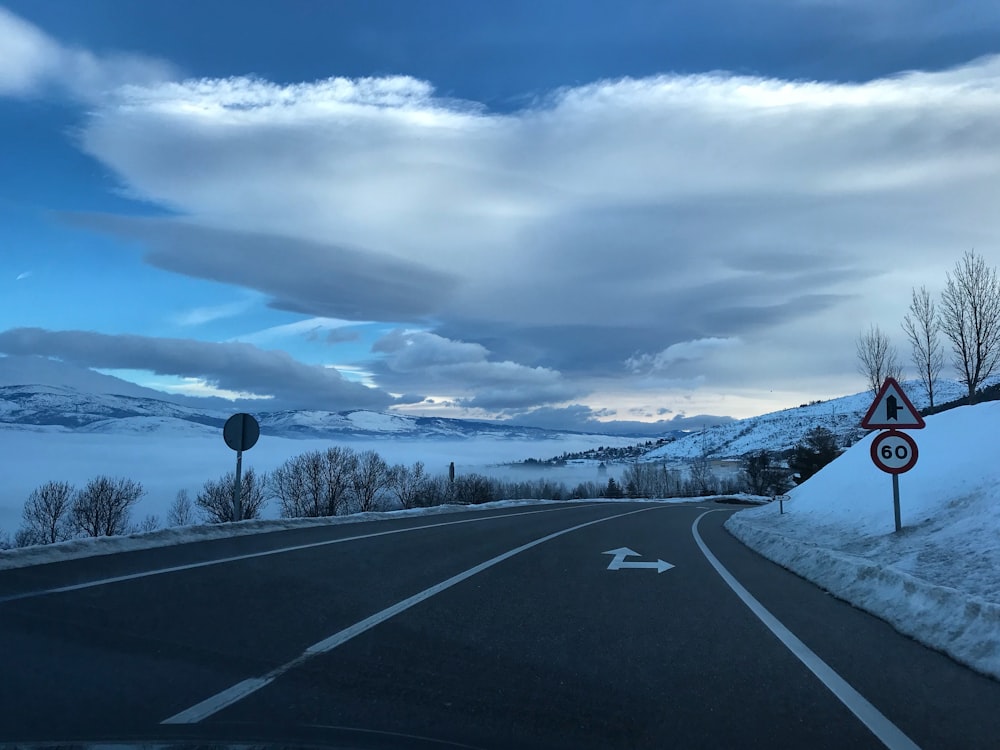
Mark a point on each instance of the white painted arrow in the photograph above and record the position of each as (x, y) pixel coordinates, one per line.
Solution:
(618, 562)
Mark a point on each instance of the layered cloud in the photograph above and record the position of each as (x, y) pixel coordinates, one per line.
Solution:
(721, 232)
(298, 275)
(592, 234)
(227, 367)
(678, 354)
(430, 363)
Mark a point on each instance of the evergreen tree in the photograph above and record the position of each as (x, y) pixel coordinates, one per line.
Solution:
(613, 490)
(818, 448)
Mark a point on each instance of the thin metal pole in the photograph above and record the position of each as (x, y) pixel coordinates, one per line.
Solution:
(237, 505)
(895, 499)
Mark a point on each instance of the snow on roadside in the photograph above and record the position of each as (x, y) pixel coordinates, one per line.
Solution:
(938, 580)
(75, 549)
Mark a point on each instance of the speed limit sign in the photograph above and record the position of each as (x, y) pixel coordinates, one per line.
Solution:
(894, 452)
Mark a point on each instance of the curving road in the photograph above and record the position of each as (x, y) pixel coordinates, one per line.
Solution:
(527, 627)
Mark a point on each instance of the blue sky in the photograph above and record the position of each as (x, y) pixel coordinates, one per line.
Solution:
(553, 212)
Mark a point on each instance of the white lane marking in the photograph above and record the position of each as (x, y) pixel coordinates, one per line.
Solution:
(888, 733)
(618, 562)
(241, 690)
(265, 553)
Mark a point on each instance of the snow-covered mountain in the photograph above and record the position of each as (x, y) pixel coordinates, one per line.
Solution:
(83, 401)
(781, 430)
(66, 409)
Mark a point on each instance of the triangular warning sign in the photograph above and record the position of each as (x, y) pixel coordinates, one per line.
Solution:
(892, 410)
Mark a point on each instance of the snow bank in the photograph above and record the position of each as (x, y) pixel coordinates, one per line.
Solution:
(91, 547)
(75, 549)
(938, 580)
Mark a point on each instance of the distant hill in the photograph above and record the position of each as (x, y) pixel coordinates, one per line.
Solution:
(77, 399)
(65, 409)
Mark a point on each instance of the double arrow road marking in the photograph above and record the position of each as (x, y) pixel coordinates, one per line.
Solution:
(618, 561)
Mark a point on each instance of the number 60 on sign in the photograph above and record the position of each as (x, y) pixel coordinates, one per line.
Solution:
(894, 452)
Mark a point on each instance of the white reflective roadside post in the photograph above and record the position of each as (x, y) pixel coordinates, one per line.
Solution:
(893, 451)
(240, 432)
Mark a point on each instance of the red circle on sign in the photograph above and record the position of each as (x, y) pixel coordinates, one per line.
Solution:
(894, 440)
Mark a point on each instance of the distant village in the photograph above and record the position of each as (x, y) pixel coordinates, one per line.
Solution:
(602, 454)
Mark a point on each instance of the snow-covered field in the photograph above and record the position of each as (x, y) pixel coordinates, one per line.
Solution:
(938, 579)
(173, 455)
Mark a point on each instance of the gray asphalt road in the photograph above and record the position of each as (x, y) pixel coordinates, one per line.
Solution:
(491, 629)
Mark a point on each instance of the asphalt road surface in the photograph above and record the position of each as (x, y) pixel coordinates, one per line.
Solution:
(488, 629)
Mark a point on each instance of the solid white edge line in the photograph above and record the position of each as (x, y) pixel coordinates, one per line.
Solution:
(250, 555)
(888, 733)
(240, 690)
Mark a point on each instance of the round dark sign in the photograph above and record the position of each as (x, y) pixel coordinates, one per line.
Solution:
(894, 452)
(241, 432)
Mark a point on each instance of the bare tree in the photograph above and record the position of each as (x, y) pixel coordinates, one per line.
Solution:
(407, 483)
(369, 480)
(701, 478)
(46, 514)
(922, 328)
(339, 465)
(298, 485)
(876, 357)
(181, 511)
(150, 523)
(216, 496)
(103, 506)
(970, 319)
(314, 484)
(288, 485)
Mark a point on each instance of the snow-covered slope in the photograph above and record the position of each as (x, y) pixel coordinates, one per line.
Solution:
(30, 370)
(66, 409)
(939, 578)
(781, 430)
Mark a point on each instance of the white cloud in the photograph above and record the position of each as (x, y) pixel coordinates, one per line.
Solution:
(200, 315)
(203, 389)
(618, 217)
(32, 61)
(684, 351)
(22, 276)
(426, 362)
(308, 328)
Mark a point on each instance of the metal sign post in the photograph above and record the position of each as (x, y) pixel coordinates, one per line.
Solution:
(895, 500)
(894, 453)
(240, 433)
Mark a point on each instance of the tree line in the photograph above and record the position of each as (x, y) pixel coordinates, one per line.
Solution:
(967, 316)
(340, 481)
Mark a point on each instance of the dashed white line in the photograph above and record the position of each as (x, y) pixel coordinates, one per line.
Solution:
(241, 690)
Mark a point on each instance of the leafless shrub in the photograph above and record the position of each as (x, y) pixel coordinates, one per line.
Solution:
(181, 511)
(216, 496)
(45, 517)
(103, 506)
